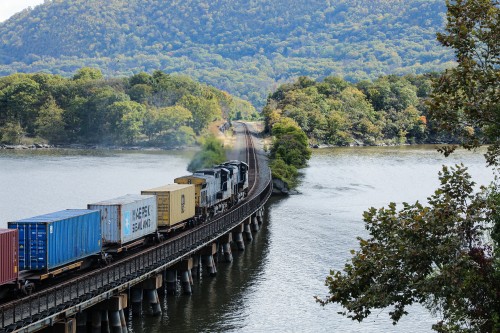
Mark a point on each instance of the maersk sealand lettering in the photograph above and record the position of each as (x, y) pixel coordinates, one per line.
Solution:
(141, 218)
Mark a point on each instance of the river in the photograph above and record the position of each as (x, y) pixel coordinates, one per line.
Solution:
(271, 286)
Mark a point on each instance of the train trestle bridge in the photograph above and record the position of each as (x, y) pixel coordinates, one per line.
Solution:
(62, 307)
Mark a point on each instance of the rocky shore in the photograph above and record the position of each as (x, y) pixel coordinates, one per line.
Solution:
(33, 146)
(88, 147)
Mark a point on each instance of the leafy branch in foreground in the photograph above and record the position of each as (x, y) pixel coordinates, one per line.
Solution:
(438, 255)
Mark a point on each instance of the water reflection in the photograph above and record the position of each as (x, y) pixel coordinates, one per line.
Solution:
(219, 303)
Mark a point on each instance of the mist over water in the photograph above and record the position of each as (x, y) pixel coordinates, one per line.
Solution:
(271, 286)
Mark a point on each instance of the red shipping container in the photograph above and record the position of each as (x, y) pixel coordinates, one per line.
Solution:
(8, 256)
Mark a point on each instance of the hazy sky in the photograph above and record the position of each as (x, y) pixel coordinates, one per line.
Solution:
(10, 7)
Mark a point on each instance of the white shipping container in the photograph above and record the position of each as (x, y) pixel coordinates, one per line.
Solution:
(127, 218)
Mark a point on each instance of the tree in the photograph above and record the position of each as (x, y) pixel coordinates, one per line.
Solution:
(290, 143)
(88, 74)
(441, 254)
(212, 153)
(11, 132)
(19, 102)
(437, 255)
(128, 117)
(203, 110)
(50, 123)
(466, 99)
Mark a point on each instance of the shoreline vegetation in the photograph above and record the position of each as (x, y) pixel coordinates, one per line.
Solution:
(143, 110)
(309, 114)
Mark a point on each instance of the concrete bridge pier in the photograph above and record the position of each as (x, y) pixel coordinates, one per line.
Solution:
(248, 231)
(238, 237)
(123, 321)
(260, 216)
(255, 224)
(115, 306)
(81, 322)
(208, 258)
(136, 297)
(96, 321)
(151, 287)
(185, 267)
(105, 322)
(115, 323)
(196, 270)
(226, 247)
(186, 283)
(171, 282)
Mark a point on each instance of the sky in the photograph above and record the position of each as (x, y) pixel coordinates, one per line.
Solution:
(10, 7)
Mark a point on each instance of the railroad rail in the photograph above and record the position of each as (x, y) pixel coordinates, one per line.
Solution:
(44, 308)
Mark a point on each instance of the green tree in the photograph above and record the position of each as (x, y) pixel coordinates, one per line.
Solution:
(290, 144)
(50, 123)
(11, 132)
(204, 111)
(128, 119)
(441, 254)
(88, 74)
(212, 153)
(437, 255)
(19, 102)
(466, 99)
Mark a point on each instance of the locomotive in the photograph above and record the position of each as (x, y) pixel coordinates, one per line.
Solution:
(39, 248)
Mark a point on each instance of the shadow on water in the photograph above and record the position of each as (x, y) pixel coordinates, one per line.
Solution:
(217, 303)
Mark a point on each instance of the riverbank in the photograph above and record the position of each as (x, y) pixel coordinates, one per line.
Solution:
(92, 147)
(216, 128)
(21, 147)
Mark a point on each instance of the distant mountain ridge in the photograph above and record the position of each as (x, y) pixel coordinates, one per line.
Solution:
(245, 47)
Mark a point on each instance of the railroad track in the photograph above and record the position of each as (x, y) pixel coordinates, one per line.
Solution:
(85, 290)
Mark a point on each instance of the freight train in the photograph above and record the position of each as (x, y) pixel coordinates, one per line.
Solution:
(39, 248)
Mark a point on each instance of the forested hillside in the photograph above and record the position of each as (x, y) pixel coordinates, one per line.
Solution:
(244, 47)
(159, 110)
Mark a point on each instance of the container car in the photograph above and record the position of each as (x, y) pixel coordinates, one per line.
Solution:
(8, 256)
(175, 204)
(126, 221)
(58, 241)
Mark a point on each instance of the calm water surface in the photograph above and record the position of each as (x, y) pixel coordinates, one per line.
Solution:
(270, 286)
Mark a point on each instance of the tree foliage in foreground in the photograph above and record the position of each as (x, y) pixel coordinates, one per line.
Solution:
(444, 255)
(466, 99)
(438, 255)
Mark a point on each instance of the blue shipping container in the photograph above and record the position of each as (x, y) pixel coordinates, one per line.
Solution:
(56, 239)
